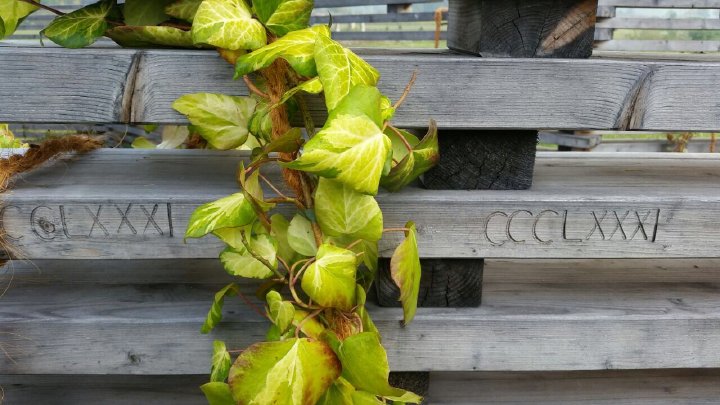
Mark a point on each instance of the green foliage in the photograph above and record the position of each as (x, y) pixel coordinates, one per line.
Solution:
(318, 255)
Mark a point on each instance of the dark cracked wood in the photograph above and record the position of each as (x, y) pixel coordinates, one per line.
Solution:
(444, 283)
(524, 29)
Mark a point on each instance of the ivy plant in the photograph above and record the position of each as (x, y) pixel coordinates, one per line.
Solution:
(310, 234)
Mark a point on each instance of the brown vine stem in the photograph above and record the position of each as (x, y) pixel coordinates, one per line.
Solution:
(249, 303)
(44, 7)
(253, 88)
(258, 257)
(409, 87)
(299, 326)
(402, 138)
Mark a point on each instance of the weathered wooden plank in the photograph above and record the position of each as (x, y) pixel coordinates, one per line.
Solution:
(484, 93)
(665, 45)
(661, 387)
(373, 18)
(661, 23)
(153, 329)
(661, 3)
(646, 205)
(537, 29)
(349, 3)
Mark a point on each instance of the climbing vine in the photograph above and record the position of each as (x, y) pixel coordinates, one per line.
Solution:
(309, 230)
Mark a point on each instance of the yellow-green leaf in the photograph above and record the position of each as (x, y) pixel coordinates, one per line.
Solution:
(351, 149)
(311, 327)
(281, 312)
(367, 322)
(366, 398)
(12, 13)
(222, 120)
(365, 366)
(227, 24)
(297, 48)
(339, 393)
(217, 393)
(363, 100)
(232, 211)
(239, 262)
(330, 280)
(215, 314)
(142, 143)
(424, 156)
(342, 211)
(150, 36)
(301, 236)
(405, 271)
(283, 16)
(290, 372)
(81, 27)
(312, 86)
(183, 9)
(279, 230)
(173, 136)
(145, 12)
(220, 364)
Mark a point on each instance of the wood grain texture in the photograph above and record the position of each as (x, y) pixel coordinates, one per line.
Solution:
(454, 283)
(541, 28)
(151, 329)
(652, 387)
(646, 205)
(491, 160)
(484, 93)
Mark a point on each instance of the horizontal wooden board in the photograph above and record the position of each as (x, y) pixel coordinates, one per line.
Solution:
(661, 3)
(661, 23)
(132, 204)
(139, 86)
(51, 328)
(655, 387)
(664, 45)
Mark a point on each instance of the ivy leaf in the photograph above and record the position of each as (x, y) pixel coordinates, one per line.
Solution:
(279, 230)
(80, 28)
(312, 328)
(281, 312)
(12, 13)
(424, 156)
(405, 271)
(222, 120)
(239, 262)
(339, 393)
(215, 314)
(330, 280)
(367, 323)
(232, 211)
(365, 366)
(366, 398)
(261, 122)
(297, 48)
(301, 236)
(351, 149)
(387, 109)
(312, 86)
(227, 24)
(342, 211)
(220, 364)
(173, 136)
(148, 36)
(145, 12)
(142, 143)
(217, 393)
(398, 146)
(283, 16)
(287, 143)
(183, 9)
(361, 72)
(362, 100)
(294, 371)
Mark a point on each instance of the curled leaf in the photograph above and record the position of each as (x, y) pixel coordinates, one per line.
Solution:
(405, 271)
(220, 364)
(240, 262)
(215, 314)
(424, 156)
(281, 312)
(217, 393)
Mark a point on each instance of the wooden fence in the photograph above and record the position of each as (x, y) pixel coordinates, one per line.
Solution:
(598, 283)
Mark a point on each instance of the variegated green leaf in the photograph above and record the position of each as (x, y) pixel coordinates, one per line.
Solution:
(81, 27)
(283, 16)
(232, 211)
(361, 72)
(145, 12)
(239, 262)
(150, 36)
(312, 86)
(142, 143)
(342, 211)
(222, 120)
(217, 393)
(301, 236)
(311, 327)
(12, 13)
(215, 314)
(333, 68)
(221, 362)
(368, 324)
(405, 271)
(281, 312)
(183, 9)
(362, 100)
(339, 393)
(227, 24)
(398, 146)
(330, 280)
(289, 372)
(279, 231)
(366, 398)
(297, 48)
(261, 121)
(350, 149)
(173, 136)
(424, 156)
(365, 366)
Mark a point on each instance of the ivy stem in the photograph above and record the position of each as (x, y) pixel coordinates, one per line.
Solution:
(402, 138)
(302, 270)
(280, 193)
(409, 87)
(250, 303)
(307, 118)
(44, 7)
(299, 326)
(258, 257)
(257, 163)
(251, 86)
